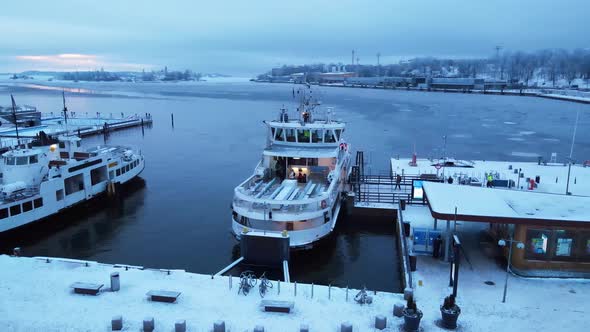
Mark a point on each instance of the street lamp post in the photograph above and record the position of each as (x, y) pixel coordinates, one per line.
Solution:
(519, 245)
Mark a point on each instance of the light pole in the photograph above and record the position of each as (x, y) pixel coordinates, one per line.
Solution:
(569, 167)
(519, 245)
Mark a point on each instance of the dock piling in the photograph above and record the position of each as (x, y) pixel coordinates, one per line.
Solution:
(117, 323)
(148, 324)
(219, 326)
(115, 282)
(180, 325)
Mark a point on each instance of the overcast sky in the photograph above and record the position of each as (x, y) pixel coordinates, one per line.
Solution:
(248, 37)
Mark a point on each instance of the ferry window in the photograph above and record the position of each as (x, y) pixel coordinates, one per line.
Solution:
(22, 160)
(272, 131)
(37, 203)
(78, 143)
(118, 171)
(316, 135)
(14, 210)
(290, 133)
(62, 145)
(127, 168)
(10, 160)
(3, 213)
(59, 195)
(280, 135)
(337, 134)
(303, 135)
(27, 206)
(537, 242)
(33, 159)
(329, 137)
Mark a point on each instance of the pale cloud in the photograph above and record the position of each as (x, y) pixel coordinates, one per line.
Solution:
(75, 61)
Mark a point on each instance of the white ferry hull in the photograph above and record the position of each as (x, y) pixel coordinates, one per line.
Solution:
(298, 239)
(51, 204)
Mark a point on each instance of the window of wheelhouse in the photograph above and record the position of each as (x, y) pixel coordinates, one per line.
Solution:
(316, 135)
(329, 136)
(290, 134)
(22, 160)
(33, 159)
(303, 135)
(338, 132)
(279, 134)
(9, 160)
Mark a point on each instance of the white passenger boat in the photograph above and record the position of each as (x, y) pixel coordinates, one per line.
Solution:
(40, 181)
(296, 187)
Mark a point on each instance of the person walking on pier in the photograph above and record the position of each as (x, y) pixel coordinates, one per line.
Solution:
(490, 183)
(398, 181)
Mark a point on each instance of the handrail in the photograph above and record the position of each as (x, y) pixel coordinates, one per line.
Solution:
(404, 249)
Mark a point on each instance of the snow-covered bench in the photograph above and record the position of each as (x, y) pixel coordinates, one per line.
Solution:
(163, 296)
(86, 288)
(277, 306)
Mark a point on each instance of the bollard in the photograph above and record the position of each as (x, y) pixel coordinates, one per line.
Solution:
(346, 327)
(115, 282)
(346, 293)
(408, 292)
(329, 291)
(380, 322)
(148, 324)
(312, 290)
(180, 325)
(230, 278)
(279, 287)
(16, 251)
(117, 323)
(259, 328)
(398, 309)
(295, 288)
(219, 326)
(304, 328)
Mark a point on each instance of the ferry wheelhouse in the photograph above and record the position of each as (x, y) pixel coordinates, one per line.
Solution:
(297, 185)
(39, 181)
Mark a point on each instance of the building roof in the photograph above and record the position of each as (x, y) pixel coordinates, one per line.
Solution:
(506, 206)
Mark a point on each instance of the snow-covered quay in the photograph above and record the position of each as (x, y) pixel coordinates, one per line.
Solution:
(36, 296)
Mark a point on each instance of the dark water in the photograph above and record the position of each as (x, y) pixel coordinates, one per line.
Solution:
(177, 215)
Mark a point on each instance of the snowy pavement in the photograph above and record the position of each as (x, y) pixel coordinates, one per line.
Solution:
(36, 296)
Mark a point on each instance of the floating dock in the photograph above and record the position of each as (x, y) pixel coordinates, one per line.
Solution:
(55, 125)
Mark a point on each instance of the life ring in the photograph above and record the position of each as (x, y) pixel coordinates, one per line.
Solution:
(324, 204)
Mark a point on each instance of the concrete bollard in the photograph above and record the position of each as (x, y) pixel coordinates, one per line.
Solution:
(380, 322)
(219, 326)
(259, 328)
(117, 323)
(398, 309)
(115, 282)
(180, 326)
(408, 292)
(16, 252)
(148, 324)
(346, 327)
(304, 328)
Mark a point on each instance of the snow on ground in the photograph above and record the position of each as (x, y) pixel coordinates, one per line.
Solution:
(531, 304)
(36, 297)
(553, 176)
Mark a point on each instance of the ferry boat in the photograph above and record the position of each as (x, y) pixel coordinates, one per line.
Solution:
(296, 188)
(40, 181)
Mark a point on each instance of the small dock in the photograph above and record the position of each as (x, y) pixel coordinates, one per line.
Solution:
(54, 125)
